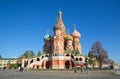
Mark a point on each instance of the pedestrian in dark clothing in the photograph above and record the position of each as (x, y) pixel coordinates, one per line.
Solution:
(81, 69)
(75, 70)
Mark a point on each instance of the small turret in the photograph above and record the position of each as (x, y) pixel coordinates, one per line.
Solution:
(76, 42)
(76, 33)
(60, 25)
(69, 37)
(47, 37)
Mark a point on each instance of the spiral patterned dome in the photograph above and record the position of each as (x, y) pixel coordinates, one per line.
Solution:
(57, 26)
(69, 37)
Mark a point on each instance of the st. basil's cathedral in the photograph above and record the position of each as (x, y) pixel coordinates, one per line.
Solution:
(61, 51)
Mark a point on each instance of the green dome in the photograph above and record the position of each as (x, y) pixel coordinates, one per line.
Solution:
(47, 37)
(69, 37)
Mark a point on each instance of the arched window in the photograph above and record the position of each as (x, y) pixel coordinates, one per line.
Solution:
(67, 64)
(25, 63)
(46, 55)
(38, 59)
(80, 59)
(42, 57)
(37, 66)
(67, 54)
(76, 59)
(31, 61)
(72, 56)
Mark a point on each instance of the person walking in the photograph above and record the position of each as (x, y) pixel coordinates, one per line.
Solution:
(75, 70)
(81, 69)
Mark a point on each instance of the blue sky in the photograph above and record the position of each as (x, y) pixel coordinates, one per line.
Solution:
(23, 24)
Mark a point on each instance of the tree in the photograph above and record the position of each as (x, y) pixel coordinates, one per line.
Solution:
(111, 63)
(99, 52)
(39, 53)
(0, 56)
(29, 54)
(16, 65)
(19, 60)
(91, 58)
(86, 61)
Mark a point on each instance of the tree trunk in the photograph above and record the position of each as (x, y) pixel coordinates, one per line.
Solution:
(100, 64)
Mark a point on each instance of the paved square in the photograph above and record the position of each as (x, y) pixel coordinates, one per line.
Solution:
(13, 74)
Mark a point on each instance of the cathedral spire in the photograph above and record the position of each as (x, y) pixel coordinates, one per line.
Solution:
(60, 24)
(60, 13)
(59, 17)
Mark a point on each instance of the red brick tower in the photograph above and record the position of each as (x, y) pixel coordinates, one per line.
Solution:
(61, 24)
(57, 43)
(59, 35)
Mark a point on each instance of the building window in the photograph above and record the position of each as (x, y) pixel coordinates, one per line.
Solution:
(38, 59)
(46, 55)
(31, 61)
(67, 55)
(72, 56)
(42, 57)
(76, 59)
(80, 59)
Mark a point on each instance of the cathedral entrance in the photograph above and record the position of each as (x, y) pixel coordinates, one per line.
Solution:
(67, 64)
(47, 65)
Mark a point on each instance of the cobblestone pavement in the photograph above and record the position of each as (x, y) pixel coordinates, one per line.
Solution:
(13, 74)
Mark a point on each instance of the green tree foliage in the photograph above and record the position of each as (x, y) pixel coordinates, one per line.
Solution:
(99, 52)
(39, 53)
(86, 60)
(0, 56)
(15, 65)
(91, 58)
(29, 54)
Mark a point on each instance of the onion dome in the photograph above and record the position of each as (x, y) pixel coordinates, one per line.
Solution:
(47, 37)
(76, 33)
(57, 27)
(59, 22)
(69, 37)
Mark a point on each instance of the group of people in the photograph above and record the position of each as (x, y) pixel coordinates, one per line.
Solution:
(75, 70)
(81, 70)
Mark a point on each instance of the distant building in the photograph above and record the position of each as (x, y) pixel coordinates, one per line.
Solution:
(5, 62)
(61, 50)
